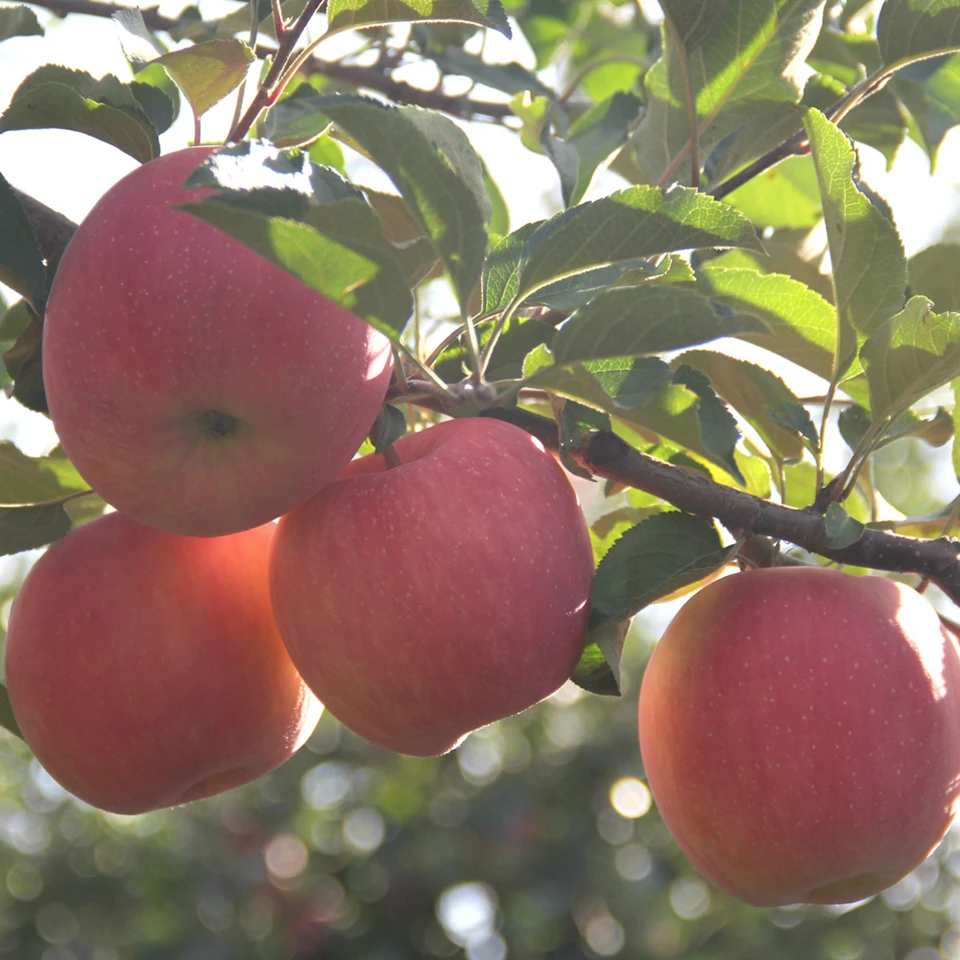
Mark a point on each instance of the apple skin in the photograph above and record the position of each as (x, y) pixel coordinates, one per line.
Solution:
(158, 325)
(427, 600)
(145, 669)
(800, 731)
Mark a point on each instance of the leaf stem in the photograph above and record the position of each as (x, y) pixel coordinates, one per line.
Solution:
(278, 75)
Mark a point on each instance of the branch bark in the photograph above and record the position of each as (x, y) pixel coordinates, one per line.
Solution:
(606, 455)
(370, 78)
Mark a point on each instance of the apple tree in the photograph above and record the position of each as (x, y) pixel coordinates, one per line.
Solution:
(713, 325)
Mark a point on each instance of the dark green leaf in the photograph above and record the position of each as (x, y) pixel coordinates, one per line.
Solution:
(24, 364)
(599, 133)
(26, 528)
(840, 528)
(18, 21)
(622, 228)
(21, 261)
(930, 91)
(573, 292)
(519, 337)
(647, 319)
(296, 119)
(637, 222)
(718, 428)
(437, 171)
(55, 97)
(648, 396)
(855, 421)
(390, 426)
(7, 720)
(576, 421)
(906, 28)
(662, 554)
(506, 77)
(760, 397)
(598, 670)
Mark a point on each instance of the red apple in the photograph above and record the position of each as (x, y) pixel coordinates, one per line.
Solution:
(800, 730)
(145, 669)
(196, 386)
(424, 601)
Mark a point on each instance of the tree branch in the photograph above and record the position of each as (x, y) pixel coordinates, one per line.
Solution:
(606, 455)
(371, 78)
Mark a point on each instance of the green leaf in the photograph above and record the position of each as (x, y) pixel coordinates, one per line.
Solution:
(509, 78)
(316, 225)
(718, 428)
(576, 421)
(801, 325)
(840, 528)
(745, 60)
(571, 293)
(24, 364)
(646, 395)
(435, 168)
(593, 139)
(391, 425)
(359, 275)
(624, 227)
(662, 554)
(56, 97)
(855, 421)
(21, 261)
(641, 320)
(32, 480)
(29, 527)
(7, 720)
(760, 397)
(785, 197)
(935, 273)
(912, 355)
(906, 28)
(500, 281)
(930, 91)
(347, 14)
(209, 71)
(18, 21)
(869, 266)
(598, 670)
(520, 336)
(295, 120)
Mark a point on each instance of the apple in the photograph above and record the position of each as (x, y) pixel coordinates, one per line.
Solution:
(423, 601)
(800, 731)
(145, 669)
(196, 386)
